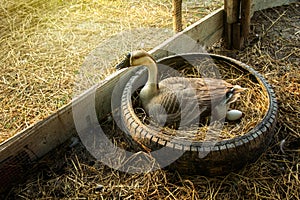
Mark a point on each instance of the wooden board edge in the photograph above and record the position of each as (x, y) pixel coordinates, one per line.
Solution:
(210, 28)
(258, 5)
(51, 131)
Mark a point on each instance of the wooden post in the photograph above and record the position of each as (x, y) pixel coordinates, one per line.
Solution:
(236, 36)
(177, 16)
(245, 19)
(237, 25)
(232, 11)
(232, 17)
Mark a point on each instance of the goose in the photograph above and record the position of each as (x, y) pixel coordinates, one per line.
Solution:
(179, 100)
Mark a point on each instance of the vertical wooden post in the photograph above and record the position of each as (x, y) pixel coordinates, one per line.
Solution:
(232, 17)
(232, 11)
(177, 15)
(245, 19)
(236, 36)
(237, 23)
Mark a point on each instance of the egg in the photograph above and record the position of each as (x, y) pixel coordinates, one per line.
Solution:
(234, 115)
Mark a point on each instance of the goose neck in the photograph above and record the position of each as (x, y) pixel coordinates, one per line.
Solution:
(152, 73)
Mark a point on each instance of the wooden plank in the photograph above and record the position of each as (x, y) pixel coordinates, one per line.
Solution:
(52, 131)
(204, 32)
(240, 11)
(264, 4)
(19, 153)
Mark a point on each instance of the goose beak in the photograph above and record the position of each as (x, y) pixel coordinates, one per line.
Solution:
(125, 63)
(233, 94)
(238, 89)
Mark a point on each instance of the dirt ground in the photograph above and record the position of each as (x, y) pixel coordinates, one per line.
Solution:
(273, 49)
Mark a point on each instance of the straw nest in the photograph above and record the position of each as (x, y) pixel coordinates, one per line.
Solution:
(274, 51)
(253, 102)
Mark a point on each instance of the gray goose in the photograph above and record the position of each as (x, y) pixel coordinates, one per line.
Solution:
(178, 100)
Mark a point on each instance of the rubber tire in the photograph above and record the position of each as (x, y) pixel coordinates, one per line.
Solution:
(223, 157)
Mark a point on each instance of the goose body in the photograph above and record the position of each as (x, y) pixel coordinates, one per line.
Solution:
(181, 100)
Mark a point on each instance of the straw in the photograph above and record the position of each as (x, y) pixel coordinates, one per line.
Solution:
(71, 173)
(44, 45)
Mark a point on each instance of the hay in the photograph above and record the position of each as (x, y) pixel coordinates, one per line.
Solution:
(70, 173)
(43, 46)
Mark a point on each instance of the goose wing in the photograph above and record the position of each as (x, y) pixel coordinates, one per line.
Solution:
(164, 108)
(210, 91)
(205, 90)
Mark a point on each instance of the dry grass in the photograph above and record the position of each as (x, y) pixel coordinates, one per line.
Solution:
(273, 50)
(44, 45)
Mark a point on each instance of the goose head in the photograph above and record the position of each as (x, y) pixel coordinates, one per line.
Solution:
(142, 58)
(234, 93)
(137, 58)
